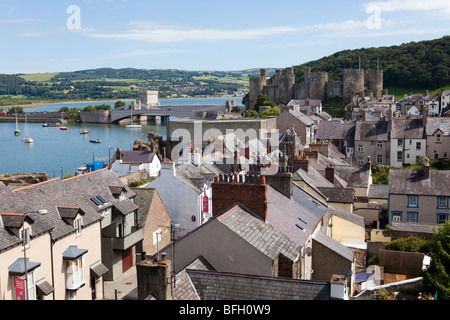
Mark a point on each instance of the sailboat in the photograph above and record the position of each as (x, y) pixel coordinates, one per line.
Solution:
(17, 131)
(27, 139)
(133, 125)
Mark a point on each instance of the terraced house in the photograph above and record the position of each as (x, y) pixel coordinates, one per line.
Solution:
(60, 239)
(419, 196)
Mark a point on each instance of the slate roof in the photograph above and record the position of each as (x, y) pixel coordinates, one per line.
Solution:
(333, 130)
(308, 202)
(371, 131)
(301, 117)
(289, 217)
(404, 128)
(135, 156)
(433, 124)
(74, 192)
(213, 285)
(334, 245)
(263, 236)
(341, 195)
(184, 288)
(355, 176)
(378, 191)
(358, 220)
(414, 227)
(402, 181)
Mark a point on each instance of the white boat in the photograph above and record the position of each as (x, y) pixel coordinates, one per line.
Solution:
(27, 138)
(133, 125)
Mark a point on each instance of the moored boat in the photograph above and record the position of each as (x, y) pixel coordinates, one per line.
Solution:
(95, 141)
(63, 128)
(84, 131)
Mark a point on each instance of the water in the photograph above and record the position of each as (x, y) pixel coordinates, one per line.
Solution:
(55, 150)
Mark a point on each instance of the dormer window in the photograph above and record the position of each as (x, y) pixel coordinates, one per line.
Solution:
(73, 217)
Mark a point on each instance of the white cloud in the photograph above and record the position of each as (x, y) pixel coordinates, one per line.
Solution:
(17, 21)
(151, 32)
(410, 5)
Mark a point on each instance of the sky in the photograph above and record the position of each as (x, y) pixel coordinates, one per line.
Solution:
(226, 35)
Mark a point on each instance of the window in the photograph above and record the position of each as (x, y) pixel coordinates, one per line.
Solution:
(418, 145)
(413, 201)
(442, 217)
(379, 158)
(26, 237)
(442, 202)
(413, 216)
(445, 155)
(359, 161)
(380, 144)
(438, 138)
(30, 292)
(360, 148)
(396, 216)
(400, 156)
(75, 273)
(77, 226)
(399, 143)
(156, 236)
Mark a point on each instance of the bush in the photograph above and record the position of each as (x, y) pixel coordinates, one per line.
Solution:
(410, 244)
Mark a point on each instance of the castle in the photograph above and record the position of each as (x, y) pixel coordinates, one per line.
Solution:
(282, 87)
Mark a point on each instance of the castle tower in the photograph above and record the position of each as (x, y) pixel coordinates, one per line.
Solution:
(256, 87)
(353, 83)
(373, 81)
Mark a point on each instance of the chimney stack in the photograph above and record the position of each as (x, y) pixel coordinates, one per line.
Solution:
(426, 168)
(249, 190)
(329, 173)
(154, 279)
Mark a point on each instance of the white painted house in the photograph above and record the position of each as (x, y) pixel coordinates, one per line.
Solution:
(408, 140)
(185, 190)
(129, 161)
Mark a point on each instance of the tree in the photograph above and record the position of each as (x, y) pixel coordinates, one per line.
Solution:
(436, 277)
(15, 110)
(251, 113)
(119, 105)
(263, 100)
(274, 111)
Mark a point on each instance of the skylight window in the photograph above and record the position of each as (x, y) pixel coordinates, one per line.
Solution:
(96, 201)
(302, 220)
(299, 226)
(101, 199)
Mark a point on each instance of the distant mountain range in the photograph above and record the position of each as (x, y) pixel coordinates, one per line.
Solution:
(415, 65)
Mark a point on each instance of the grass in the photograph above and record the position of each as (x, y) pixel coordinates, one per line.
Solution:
(400, 92)
(39, 77)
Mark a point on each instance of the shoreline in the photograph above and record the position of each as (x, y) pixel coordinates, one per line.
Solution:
(40, 104)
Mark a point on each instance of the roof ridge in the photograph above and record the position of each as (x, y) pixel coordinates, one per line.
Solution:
(85, 174)
(36, 184)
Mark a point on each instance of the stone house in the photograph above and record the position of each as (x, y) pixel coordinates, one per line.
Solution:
(154, 219)
(408, 139)
(340, 134)
(438, 138)
(431, 101)
(303, 125)
(372, 140)
(419, 196)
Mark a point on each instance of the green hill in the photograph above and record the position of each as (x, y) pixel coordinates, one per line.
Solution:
(411, 66)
